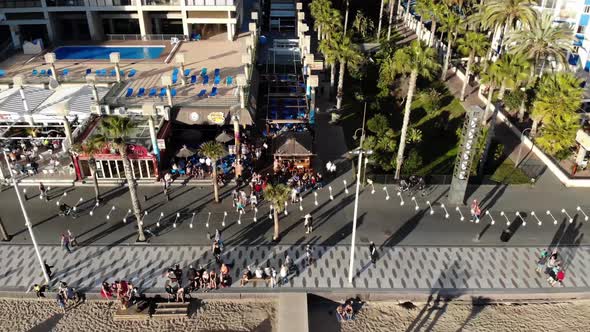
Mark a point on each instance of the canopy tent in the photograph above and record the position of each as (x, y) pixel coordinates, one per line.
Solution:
(293, 144)
(224, 137)
(185, 152)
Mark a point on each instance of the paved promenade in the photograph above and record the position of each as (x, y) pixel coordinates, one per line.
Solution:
(411, 268)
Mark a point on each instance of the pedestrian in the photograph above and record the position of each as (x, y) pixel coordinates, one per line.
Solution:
(39, 290)
(308, 255)
(308, 223)
(284, 273)
(219, 239)
(72, 238)
(273, 278)
(217, 252)
(235, 195)
(253, 201)
(328, 167)
(294, 196)
(65, 243)
(542, 260)
(47, 269)
(42, 192)
(166, 193)
(373, 252)
(475, 211)
(61, 302)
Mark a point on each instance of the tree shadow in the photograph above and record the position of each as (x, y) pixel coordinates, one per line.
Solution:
(322, 314)
(478, 304)
(47, 325)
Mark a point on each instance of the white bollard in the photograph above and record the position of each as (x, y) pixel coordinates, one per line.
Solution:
(584, 213)
(430, 206)
(75, 208)
(568, 215)
(492, 218)
(372, 186)
(446, 212)
(460, 213)
(415, 202)
(552, 217)
(331, 196)
(345, 186)
(109, 214)
(126, 215)
(401, 199)
(58, 203)
(315, 197)
(535, 216)
(208, 218)
(160, 219)
(240, 217)
(521, 218)
(386, 193)
(255, 213)
(192, 219)
(286, 212)
(223, 221)
(176, 219)
(504, 215)
(300, 203)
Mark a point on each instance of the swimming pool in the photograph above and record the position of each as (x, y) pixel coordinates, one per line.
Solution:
(102, 52)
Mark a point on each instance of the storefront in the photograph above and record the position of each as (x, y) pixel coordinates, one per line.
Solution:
(294, 147)
(144, 165)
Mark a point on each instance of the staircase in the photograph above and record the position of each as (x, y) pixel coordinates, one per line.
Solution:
(170, 310)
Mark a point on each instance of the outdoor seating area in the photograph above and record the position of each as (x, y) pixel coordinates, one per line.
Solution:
(29, 158)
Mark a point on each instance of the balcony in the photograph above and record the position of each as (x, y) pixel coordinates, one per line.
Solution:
(19, 4)
(210, 2)
(160, 2)
(105, 3)
(65, 3)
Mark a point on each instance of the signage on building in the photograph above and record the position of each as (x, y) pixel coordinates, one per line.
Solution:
(161, 144)
(216, 117)
(194, 116)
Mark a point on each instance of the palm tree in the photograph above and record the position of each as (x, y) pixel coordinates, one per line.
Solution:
(347, 53)
(492, 77)
(514, 69)
(380, 19)
(423, 10)
(328, 47)
(214, 151)
(436, 13)
(115, 132)
(557, 95)
(277, 195)
(541, 41)
(90, 148)
(450, 24)
(505, 13)
(472, 44)
(415, 60)
(322, 13)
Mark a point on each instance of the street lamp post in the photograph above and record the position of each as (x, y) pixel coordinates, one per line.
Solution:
(27, 221)
(115, 58)
(522, 136)
(356, 200)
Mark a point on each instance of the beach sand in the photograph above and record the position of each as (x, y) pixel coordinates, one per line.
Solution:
(96, 315)
(458, 316)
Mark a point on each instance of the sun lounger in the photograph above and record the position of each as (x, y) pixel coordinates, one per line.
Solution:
(206, 80)
(187, 72)
(35, 72)
(49, 72)
(88, 71)
(216, 80)
(153, 92)
(194, 79)
(141, 92)
(173, 92)
(203, 72)
(2, 73)
(202, 93)
(229, 80)
(65, 72)
(132, 73)
(113, 73)
(175, 71)
(213, 92)
(129, 93)
(163, 92)
(174, 79)
(217, 71)
(43, 72)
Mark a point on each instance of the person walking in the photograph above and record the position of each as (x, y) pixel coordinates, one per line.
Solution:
(61, 301)
(308, 223)
(72, 239)
(39, 290)
(475, 211)
(284, 273)
(308, 255)
(65, 243)
(47, 269)
(43, 192)
(373, 252)
(217, 252)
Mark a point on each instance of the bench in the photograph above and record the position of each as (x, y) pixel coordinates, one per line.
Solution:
(255, 281)
(171, 310)
(136, 312)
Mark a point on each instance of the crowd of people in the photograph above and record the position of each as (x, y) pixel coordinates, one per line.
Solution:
(123, 291)
(551, 265)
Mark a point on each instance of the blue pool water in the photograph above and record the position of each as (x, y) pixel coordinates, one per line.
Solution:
(102, 52)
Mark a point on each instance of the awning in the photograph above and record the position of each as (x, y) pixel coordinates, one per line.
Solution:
(203, 116)
(293, 144)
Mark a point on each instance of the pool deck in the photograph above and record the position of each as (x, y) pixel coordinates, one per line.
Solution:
(215, 52)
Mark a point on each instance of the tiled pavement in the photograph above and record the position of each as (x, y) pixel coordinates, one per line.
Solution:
(397, 267)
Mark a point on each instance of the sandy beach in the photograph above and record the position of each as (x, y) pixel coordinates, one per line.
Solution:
(458, 316)
(96, 315)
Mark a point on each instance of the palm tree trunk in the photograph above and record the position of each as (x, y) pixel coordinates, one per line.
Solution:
(488, 105)
(214, 179)
(276, 223)
(340, 92)
(346, 18)
(445, 69)
(534, 127)
(380, 20)
(467, 74)
(502, 90)
(319, 32)
(521, 111)
(505, 33)
(432, 32)
(332, 77)
(95, 182)
(132, 192)
(391, 5)
(406, 123)
(419, 30)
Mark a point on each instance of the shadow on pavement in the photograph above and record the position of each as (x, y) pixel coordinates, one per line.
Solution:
(48, 324)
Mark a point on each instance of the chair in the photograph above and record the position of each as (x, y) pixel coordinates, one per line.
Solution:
(194, 79)
(202, 93)
(2, 73)
(175, 71)
(206, 80)
(43, 72)
(197, 37)
(65, 72)
(103, 72)
(173, 92)
(174, 79)
(216, 80)
(129, 93)
(213, 92)
(229, 80)
(132, 73)
(141, 92)
(163, 92)
(187, 72)
(113, 72)
(49, 72)
(122, 73)
(203, 72)
(153, 92)
(217, 71)
(35, 72)
(88, 71)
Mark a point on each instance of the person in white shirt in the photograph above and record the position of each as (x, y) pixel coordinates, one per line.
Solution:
(307, 223)
(259, 273)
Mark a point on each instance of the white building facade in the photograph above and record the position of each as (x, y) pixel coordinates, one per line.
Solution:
(59, 20)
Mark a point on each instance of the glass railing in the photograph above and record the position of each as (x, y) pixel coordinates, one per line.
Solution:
(19, 3)
(64, 3)
(103, 3)
(160, 2)
(210, 2)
